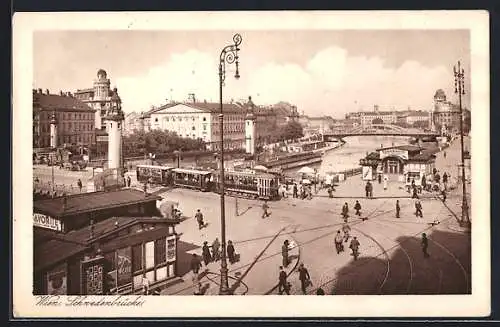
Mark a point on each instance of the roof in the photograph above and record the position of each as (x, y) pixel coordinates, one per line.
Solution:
(190, 171)
(155, 167)
(86, 202)
(422, 157)
(406, 147)
(62, 246)
(60, 102)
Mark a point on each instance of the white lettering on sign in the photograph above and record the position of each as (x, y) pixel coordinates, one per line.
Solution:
(47, 222)
(394, 152)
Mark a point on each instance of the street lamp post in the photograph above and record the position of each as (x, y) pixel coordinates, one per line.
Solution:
(230, 55)
(459, 88)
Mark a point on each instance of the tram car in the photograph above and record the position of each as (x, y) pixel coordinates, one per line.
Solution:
(159, 175)
(192, 178)
(250, 185)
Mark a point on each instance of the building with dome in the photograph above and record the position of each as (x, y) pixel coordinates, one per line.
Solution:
(446, 115)
(100, 97)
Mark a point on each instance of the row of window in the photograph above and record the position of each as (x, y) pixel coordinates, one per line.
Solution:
(47, 115)
(44, 141)
(69, 127)
(192, 118)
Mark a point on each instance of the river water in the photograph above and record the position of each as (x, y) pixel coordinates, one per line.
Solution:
(348, 156)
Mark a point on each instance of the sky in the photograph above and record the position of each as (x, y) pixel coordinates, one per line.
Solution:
(329, 72)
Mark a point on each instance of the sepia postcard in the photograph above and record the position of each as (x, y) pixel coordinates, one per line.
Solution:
(251, 164)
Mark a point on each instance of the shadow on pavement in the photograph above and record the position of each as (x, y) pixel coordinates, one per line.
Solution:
(447, 270)
(183, 257)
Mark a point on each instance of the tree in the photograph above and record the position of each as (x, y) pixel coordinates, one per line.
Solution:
(158, 142)
(292, 130)
(377, 121)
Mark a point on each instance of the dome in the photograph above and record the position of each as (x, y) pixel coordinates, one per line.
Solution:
(440, 94)
(101, 73)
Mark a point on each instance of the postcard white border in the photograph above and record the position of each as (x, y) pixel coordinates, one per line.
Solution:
(477, 304)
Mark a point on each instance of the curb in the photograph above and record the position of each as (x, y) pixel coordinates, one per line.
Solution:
(291, 270)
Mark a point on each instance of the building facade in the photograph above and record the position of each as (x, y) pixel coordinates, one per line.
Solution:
(447, 114)
(200, 120)
(133, 121)
(99, 97)
(72, 120)
(102, 243)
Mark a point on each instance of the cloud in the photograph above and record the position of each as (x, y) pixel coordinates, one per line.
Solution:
(332, 82)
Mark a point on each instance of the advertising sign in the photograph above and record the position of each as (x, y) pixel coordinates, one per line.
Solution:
(124, 265)
(93, 276)
(367, 173)
(46, 222)
(394, 152)
(171, 248)
(57, 281)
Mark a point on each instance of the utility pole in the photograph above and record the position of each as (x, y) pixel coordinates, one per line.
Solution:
(459, 88)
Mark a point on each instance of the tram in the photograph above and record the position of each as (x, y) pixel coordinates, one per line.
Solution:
(160, 175)
(192, 178)
(250, 185)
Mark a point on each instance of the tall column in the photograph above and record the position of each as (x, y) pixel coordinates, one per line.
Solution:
(250, 134)
(53, 131)
(114, 142)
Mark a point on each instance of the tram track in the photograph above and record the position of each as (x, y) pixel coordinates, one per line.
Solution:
(407, 255)
(444, 249)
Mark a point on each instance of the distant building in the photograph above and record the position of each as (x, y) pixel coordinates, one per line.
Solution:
(99, 97)
(133, 121)
(72, 120)
(382, 117)
(200, 120)
(448, 114)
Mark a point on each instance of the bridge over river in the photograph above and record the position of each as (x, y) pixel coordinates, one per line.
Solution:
(380, 130)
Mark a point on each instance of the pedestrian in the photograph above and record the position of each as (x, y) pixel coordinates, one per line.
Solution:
(418, 209)
(379, 178)
(295, 191)
(398, 208)
(424, 182)
(216, 249)
(330, 192)
(265, 207)
(145, 285)
(357, 207)
(370, 189)
(346, 229)
(284, 253)
(434, 171)
(425, 245)
(445, 178)
(354, 246)
(345, 211)
(129, 181)
(415, 192)
(443, 192)
(207, 258)
(283, 191)
(304, 277)
(385, 182)
(444, 154)
(338, 242)
(195, 268)
(230, 252)
(80, 185)
(282, 282)
(199, 219)
(367, 189)
(437, 178)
